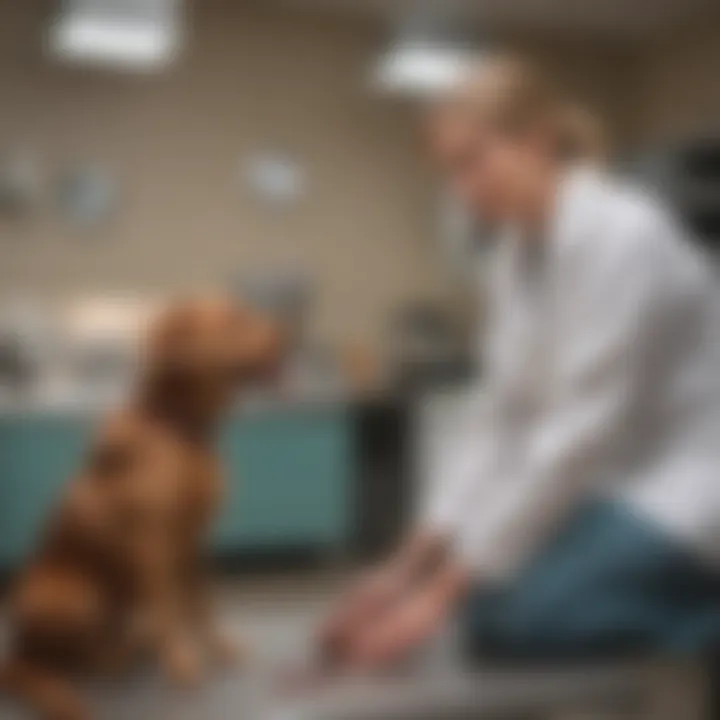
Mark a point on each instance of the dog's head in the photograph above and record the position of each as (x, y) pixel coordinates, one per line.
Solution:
(201, 350)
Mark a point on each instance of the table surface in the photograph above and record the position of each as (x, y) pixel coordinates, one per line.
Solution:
(277, 620)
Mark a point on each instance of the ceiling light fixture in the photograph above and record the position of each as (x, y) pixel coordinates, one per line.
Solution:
(139, 36)
(422, 69)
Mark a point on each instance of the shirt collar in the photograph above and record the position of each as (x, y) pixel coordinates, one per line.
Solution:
(575, 212)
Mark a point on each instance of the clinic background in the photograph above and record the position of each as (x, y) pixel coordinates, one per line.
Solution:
(273, 150)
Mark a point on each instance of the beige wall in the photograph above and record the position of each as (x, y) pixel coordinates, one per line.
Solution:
(251, 80)
(678, 86)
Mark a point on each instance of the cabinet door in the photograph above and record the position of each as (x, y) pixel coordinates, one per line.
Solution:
(38, 455)
(288, 477)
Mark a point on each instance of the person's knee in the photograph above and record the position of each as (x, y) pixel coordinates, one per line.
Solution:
(515, 626)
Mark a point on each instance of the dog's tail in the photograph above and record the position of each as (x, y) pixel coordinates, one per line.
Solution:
(45, 693)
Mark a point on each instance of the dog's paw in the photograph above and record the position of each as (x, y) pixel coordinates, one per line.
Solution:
(182, 665)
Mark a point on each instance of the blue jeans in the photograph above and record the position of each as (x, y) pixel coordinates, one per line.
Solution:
(609, 585)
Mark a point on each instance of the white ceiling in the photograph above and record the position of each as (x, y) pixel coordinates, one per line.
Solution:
(622, 18)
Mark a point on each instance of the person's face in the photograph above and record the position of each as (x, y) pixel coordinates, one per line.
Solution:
(490, 172)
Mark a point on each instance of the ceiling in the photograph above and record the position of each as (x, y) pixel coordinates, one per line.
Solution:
(624, 19)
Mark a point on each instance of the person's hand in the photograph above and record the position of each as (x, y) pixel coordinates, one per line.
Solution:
(398, 634)
(369, 596)
(409, 623)
(377, 593)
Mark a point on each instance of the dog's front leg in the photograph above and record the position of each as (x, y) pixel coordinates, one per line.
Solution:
(164, 608)
(220, 645)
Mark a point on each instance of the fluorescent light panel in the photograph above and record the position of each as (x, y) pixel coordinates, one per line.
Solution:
(125, 40)
(420, 70)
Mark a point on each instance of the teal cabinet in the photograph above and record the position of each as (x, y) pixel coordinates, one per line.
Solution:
(38, 456)
(288, 477)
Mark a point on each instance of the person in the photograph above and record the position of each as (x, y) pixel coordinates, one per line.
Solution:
(580, 515)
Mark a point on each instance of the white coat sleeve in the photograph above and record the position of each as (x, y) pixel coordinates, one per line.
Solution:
(464, 467)
(468, 461)
(611, 309)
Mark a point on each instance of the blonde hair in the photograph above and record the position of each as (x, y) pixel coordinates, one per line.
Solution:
(514, 95)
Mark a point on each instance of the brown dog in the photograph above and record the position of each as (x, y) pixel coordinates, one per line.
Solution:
(120, 569)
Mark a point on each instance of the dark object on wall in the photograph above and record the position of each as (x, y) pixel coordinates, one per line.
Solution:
(687, 174)
(705, 222)
(698, 190)
(701, 160)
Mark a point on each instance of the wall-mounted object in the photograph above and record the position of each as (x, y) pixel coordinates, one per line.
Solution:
(276, 180)
(686, 173)
(88, 196)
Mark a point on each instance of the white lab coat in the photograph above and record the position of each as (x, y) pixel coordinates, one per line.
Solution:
(601, 379)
